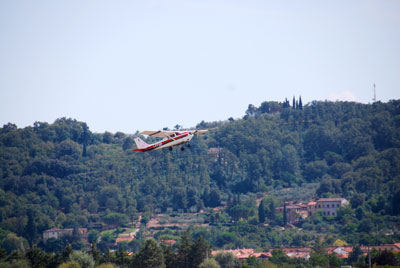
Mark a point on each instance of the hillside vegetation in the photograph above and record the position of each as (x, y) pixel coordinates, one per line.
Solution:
(63, 175)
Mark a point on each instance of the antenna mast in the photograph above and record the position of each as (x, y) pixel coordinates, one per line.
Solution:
(374, 99)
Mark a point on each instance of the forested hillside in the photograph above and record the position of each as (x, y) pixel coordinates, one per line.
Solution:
(64, 175)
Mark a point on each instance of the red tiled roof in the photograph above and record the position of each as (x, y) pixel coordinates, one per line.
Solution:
(337, 199)
(287, 250)
(122, 239)
(243, 253)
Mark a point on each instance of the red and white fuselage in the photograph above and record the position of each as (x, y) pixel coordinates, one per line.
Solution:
(171, 138)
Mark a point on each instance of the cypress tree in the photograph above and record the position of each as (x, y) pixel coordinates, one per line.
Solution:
(95, 252)
(261, 212)
(294, 103)
(300, 104)
(31, 229)
(271, 210)
(284, 214)
(85, 138)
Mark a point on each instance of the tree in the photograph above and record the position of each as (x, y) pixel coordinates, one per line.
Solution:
(128, 143)
(30, 228)
(261, 212)
(354, 255)
(95, 253)
(121, 256)
(13, 242)
(93, 236)
(251, 110)
(334, 261)
(85, 137)
(36, 257)
(209, 263)
(227, 260)
(150, 256)
(184, 250)
(284, 214)
(271, 213)
(108, 137)
(107, 257)
(71, 264)
(67, 251)
(169, 256)
(200, 250)
(239, 211)
(385, 258)
(318, 260)
(106, 265)
(226, 238)
(300, 104)
(76, 236)
(278, 257)
(214, 198)
(85, 260)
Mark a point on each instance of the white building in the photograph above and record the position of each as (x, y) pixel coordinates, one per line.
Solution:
(58, 233)
(329, 206)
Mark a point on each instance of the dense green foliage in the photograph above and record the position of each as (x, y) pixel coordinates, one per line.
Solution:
(187, 254)
(63, 175)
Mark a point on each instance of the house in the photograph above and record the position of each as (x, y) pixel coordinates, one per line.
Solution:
(342, 252)
(389, 247)
(58, 233)
(294, 212)
(243, 253)
(53, 233)
(311, 207)
(329, 206)
(303, 253)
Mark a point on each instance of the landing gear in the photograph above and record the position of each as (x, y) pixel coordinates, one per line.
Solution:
(182, 148)
(188, 145)
(170, 148)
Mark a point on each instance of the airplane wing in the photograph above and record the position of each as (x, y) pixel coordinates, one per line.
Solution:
(158, 133)
(169, 133)
(200, 131)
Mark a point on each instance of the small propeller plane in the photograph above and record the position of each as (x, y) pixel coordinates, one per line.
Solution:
(171, 138)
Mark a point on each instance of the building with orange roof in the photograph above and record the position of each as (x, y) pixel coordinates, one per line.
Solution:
(389, 247)
(243, 253)
(329, 206)
(342, 252)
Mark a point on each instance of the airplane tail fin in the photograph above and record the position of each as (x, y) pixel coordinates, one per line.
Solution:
(140, 143)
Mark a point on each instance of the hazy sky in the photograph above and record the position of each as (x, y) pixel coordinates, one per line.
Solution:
(136, 65)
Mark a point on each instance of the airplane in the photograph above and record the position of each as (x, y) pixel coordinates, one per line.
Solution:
(171, 138)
